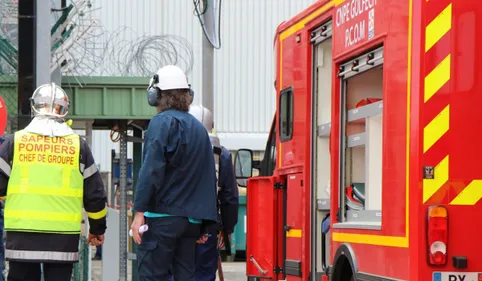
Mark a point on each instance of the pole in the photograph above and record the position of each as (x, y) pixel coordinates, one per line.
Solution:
(42, 66)
(26, 59)
(220, 269)
(56, 75)
(208, 57)
(123, 202)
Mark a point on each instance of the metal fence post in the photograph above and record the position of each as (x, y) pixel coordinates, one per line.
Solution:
(123, 203)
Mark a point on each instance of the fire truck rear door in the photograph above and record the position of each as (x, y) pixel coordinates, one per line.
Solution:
(263, 228)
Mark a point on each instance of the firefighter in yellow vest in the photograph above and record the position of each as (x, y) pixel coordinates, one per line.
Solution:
(48, 173)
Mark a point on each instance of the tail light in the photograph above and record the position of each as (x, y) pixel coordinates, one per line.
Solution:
(437, 234)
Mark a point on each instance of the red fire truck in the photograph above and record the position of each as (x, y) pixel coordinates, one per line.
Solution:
(371, 169)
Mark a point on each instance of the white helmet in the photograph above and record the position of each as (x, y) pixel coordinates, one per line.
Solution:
(50, 100)
(170, 77)
(204, 115)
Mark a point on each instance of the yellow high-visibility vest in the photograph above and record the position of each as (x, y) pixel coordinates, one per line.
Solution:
(45, 189)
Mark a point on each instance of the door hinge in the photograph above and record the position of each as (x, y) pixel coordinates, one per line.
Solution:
(278, 270)
(279, 185)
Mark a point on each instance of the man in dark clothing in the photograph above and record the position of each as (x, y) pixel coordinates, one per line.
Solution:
(207, 254)
(176, 188)
(48, 173)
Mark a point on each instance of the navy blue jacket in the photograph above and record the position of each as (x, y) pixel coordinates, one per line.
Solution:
(178, 174)
(228, 194)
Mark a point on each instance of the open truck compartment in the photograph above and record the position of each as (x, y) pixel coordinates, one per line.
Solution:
(361, 133)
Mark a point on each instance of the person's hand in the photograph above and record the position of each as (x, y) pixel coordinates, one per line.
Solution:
(136, 223)
(95, 240)
(203, 239)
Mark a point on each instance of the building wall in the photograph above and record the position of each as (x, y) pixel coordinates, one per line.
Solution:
(244, 66)
(244, 69)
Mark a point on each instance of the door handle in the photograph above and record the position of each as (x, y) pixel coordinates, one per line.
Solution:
(260, 269)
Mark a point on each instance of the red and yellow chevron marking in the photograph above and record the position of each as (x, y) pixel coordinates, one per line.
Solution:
(435, 130)
(468, 193)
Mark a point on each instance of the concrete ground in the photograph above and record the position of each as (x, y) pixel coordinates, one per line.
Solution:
(233, 271)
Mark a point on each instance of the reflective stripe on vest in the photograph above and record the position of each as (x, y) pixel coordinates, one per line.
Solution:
(45, 189)
(41, 255)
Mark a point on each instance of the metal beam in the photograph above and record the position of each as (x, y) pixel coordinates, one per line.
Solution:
(123, 202)
(135, 139)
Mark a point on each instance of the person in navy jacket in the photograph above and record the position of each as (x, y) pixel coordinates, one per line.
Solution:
(176, 188)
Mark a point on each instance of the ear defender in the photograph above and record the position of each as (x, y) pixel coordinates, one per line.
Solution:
(153, 93)
(191, 92)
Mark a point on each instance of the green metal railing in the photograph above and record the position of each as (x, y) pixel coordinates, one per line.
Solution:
(9, 53)
(62, 18)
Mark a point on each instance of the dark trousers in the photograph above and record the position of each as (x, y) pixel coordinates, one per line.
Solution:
(25, 271)
(170, 243)
(98, 251)
(207, 256)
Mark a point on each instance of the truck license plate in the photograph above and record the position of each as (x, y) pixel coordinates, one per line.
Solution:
(457, 276)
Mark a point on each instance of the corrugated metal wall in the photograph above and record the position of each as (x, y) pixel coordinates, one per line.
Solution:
(244, 69)
(244, 74)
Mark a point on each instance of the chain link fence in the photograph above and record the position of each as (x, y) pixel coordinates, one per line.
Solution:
(8, 69)
(9, 60)
(8, 91)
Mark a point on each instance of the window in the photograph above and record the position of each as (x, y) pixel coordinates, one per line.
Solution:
(268, 163)
(361, 138)
(286, 114)
(272, 152)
